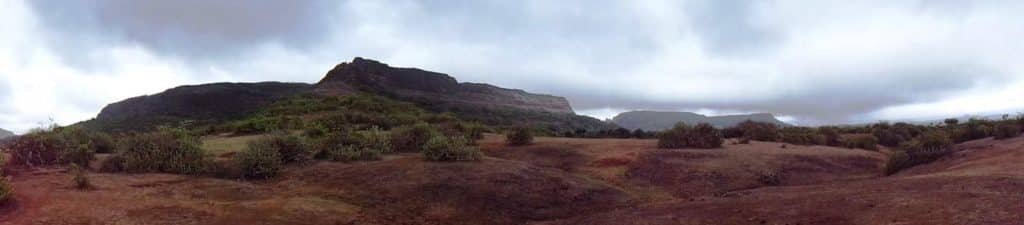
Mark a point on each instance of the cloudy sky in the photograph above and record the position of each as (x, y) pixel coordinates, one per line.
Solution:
(813, 62)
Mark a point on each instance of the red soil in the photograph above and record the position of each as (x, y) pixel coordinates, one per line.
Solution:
(560, 181)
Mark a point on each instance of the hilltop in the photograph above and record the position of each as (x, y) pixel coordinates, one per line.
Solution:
(209, 104)
(656, 121)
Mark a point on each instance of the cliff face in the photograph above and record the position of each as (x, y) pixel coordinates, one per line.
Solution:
(656, 121)
(437, 89)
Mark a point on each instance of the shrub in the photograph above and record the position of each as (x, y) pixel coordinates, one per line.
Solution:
(36, 149)
(260, 160)
(830, 136)
(290, 148)
(1004, 131)
(861, 141)
(375, 139)
(519, 137)
(79, 179)
(926, 148)
(801, 136)
(974, 129)
(59, 145)
(6, 191)
(759, 131)
(166, 150)
(346, 153)
(411, 138)
(442, 148)
(683, 136)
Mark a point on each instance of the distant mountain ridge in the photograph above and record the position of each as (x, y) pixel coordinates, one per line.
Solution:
(656, 121)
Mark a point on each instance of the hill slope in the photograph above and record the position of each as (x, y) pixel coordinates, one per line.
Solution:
(410, 83)
(441, 93)
(654, 121)
(200, 103)
(5, 133)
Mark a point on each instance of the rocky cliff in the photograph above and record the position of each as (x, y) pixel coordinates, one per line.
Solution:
(440, 90)
(656, 121)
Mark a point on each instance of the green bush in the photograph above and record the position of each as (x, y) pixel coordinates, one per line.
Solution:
(166, 150)
(411, 138)
(375, 139)
(519, 136)
(6, 190)
(58, 145)
(347, 153)
(973, 129)
(759, 131)
(683, 136)
(1006, 130)
(290, 148)
(79, 179)
(831, 136)
(926, 148)
(801, 136)
(260, 160)
(442, 148)
(861, 141)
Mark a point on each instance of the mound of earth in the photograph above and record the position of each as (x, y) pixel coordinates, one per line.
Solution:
(494, 191)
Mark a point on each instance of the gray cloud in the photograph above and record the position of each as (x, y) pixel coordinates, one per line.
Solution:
(193, 30)
(819, 61)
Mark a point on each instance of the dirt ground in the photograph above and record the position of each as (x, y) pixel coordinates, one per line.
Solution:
(559, 181)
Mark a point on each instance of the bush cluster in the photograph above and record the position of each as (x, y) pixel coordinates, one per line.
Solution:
(6, 190)
(519, 136)
(1007, 130)
(683, 136)
(861, 141)
(411, 138)
(801, 136)
(758, 131)
(442, 148)
(260, 160)
(926, 148)
(58, 145)
(167, 151)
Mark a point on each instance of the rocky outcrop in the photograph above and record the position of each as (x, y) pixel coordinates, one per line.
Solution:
(204, 102)
(655, 121)
(410, 84)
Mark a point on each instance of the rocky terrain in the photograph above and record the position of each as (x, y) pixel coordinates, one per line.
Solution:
(655, 121)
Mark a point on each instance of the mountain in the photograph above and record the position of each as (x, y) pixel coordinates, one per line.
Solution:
(419, 85)
(437, 92)
(199, 103)
(440, 92)
(656, 121)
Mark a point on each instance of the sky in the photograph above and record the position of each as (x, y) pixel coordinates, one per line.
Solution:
(809, 62)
